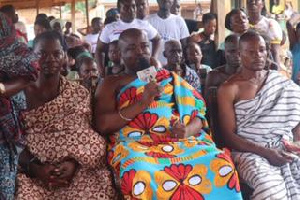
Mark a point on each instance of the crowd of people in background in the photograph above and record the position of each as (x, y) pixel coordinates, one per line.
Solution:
(76, 122)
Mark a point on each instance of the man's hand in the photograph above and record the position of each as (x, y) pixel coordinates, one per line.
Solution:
(179, 130)
(278, 157)
(151, 91)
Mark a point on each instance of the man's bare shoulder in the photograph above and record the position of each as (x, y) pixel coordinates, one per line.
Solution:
(231, 85)
(115, 82)
(235, 79)
(220, 69)
(217, 72)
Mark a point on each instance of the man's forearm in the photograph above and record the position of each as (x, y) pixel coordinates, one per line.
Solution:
(240, 144)
(275, 50)
(111, 122)
(156, 44)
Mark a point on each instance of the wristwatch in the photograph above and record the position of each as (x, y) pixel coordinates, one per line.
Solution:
(2, 88)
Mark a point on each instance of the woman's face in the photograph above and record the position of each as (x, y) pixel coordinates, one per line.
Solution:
(239, 22)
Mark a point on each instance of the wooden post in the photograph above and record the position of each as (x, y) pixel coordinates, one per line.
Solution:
(243, 4)
(296, 4)
(37, 2)
(87, 13)
(73, 15)
(221, 8)
(60, 14)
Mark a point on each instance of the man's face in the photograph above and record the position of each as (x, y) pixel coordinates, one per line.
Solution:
(173, 53)
(51, 56)
(210, 27)
(253, 54)
(142, 8)
(175, 9)
(88, 70)
(127, 10)
(232, 54)
(239, 22)
(132, 49)
(165, 4)
(255, 6)
(97, 26)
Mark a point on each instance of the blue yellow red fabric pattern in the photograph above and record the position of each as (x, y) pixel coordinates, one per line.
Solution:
(150, 164)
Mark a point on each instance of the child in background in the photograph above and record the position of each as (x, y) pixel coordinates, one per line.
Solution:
(193, 57)
(114, 66)
(88, 72)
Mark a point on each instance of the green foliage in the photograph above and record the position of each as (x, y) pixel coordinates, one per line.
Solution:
(79, 6)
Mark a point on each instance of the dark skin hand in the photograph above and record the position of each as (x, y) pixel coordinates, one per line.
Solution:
(181, 131)
(55, 176)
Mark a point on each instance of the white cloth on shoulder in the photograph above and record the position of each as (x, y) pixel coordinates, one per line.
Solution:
(267, 120)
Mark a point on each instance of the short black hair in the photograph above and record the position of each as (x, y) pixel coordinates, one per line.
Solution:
(7, 9)
(96, 19)
(75, 51)
(48, 35)
(113, 42)
(208, 17)
(250, 35)
(231, 38)
(79, 62)
(229, 15)
(43, 22)
(41, 16)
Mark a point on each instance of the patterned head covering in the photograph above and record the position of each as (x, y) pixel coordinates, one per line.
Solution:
(15, 57)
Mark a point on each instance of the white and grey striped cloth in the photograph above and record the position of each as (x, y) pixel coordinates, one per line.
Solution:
(266, 120)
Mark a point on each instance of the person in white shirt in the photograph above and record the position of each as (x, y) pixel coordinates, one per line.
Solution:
(169, 26)
(92, 38)
(112, 31)
(142, 9)
(265, 26)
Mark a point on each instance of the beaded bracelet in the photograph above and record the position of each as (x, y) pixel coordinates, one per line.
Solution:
(123, 117)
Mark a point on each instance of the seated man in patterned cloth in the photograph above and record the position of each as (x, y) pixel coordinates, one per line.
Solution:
(260, 120)
(159, 147)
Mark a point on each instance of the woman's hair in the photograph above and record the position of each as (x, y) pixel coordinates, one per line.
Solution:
(229, 15)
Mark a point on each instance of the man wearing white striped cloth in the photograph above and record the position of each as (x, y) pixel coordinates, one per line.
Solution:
(259, 113)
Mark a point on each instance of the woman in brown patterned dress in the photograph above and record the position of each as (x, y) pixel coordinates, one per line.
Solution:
(64, 157)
